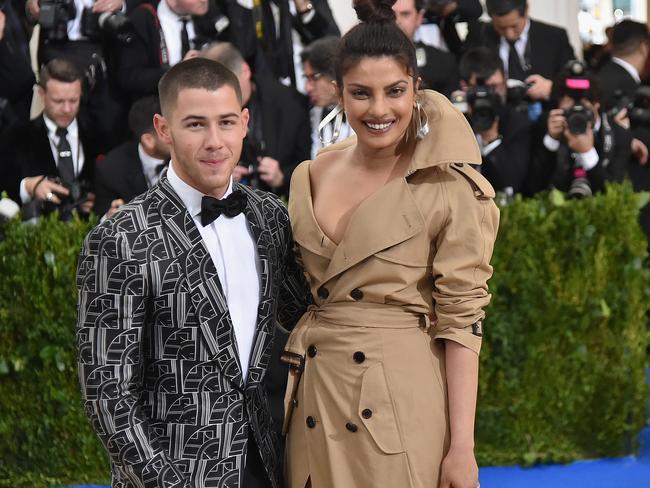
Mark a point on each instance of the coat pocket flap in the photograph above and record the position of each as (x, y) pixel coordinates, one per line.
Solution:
(377, 412)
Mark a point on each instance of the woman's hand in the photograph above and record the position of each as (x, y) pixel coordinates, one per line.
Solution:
(459, 469)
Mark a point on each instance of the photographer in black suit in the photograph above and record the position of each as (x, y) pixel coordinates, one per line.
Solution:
(531, 51)
(53, 156)
(500, 123)
(583, 147)
(278, 136)
(135, 166)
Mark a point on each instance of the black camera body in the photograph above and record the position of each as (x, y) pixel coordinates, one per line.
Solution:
(485, 105)
(54, 16)
(639, 112)
(578, 119)
(114, 24)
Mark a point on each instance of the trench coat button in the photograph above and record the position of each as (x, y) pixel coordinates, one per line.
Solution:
(351, 427)
(356, 294)
(312, 351)
(359, 357)
(295, 402)
(323, 293)
(366, 413)
(311, 422)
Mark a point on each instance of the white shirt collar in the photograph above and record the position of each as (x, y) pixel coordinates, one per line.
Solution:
(149, 165)
(190, 196)
(73, 128)
(628, 67)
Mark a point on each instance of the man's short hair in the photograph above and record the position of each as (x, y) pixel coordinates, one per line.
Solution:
(141, 115)
(419, 5)
(628, 36)
(481, 62)
(321, 54)
(224, 53)
(60, 70)
(499, 8)
(194, 73)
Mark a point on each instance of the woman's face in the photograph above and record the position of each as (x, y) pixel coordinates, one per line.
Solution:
(378, 97)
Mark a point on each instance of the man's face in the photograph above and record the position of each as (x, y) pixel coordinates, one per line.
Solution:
(61, 101)
(408, 18)
(510, 25)
(189, 7)
(205, 130)
(496, 81)
(319, 87)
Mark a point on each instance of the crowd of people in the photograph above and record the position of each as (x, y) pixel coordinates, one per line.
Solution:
(515, 78)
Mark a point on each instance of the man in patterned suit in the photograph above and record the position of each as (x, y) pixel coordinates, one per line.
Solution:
(179, 294)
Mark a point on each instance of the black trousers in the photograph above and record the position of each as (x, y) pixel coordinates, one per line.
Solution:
(254, 473)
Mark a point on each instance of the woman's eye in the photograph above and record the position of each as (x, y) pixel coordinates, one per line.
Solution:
(397, 91)
(359, 93)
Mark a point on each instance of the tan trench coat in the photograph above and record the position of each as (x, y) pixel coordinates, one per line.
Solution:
(370, 408)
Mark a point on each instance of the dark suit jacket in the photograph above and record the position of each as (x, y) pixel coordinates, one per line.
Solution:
(285, 126)
(438, 69)
(548, 46)
(613, 77)
(29, 154)
(160, 374)
(118, 175)
(139, 64)
(467, 11)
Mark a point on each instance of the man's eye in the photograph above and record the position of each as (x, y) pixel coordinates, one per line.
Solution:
(195, 125)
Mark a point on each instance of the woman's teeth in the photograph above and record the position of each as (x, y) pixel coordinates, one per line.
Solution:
(379, 126)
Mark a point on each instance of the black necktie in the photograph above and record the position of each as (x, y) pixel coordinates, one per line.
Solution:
(65, 166)
(231, 206)
(185, 39)
(515, 71)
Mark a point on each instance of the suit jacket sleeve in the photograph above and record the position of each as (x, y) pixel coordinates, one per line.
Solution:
(321, 24)
(112, 311)
(565, 51)
(461, 265)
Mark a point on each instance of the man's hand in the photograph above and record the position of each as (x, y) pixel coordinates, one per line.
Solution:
(492, 133)
(459, 469)
(115, 206)
(107, 6)
(3, 23)
(640, 151)
(87, 206)
(239, 172)
(33, 9)
(556, 124)
(541, 87)
(622, 118)
(46, 191)
(270, 172)
(580, 143)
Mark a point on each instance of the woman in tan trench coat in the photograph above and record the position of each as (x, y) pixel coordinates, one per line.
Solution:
(395, 232)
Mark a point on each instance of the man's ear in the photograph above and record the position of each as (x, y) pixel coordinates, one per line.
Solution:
(162, 129)
(245, 116)
(148, 141)
(41, 92)
(246, 72)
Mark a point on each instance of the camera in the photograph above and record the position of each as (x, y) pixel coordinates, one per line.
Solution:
(115, 24)
(580, 186)
(640, 111)
(517, 94)
(484, 106)
(578, 118)
(54, 16)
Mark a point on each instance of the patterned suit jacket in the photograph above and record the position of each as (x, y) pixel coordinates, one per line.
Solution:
(158, 362)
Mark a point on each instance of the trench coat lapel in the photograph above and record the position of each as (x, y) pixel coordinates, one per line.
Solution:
(205, 289)
(386, 218)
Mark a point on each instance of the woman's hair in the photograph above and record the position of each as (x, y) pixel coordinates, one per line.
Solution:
(377, 35)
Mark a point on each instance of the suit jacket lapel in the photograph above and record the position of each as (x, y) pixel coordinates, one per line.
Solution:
(261, 350)
(386, 218)
(205, 288)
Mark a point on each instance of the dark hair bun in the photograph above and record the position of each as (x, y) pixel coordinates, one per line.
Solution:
(374, 10)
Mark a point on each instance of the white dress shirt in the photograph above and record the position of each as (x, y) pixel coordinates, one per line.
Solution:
(587, 160)
(75, 145)
(231, 245)
(627, 67)
(171, 25)
(520, 47)
(74, 25)
(149, 166)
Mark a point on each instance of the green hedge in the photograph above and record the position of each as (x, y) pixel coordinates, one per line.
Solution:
(562, 367)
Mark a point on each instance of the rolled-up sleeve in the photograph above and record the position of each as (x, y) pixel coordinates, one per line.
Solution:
(461, 265)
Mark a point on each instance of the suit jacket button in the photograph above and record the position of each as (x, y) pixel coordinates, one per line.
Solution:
(323, 293)
(366, 413)
(356, 294)
(311, 422)
(312, 351)
(351, 427)
(359, 357)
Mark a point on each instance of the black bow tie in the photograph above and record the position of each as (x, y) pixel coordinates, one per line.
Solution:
(231, 206)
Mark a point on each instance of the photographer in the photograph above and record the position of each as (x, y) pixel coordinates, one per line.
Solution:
(583, 147)
(52, 157)
(500, 122)
(81, 31)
